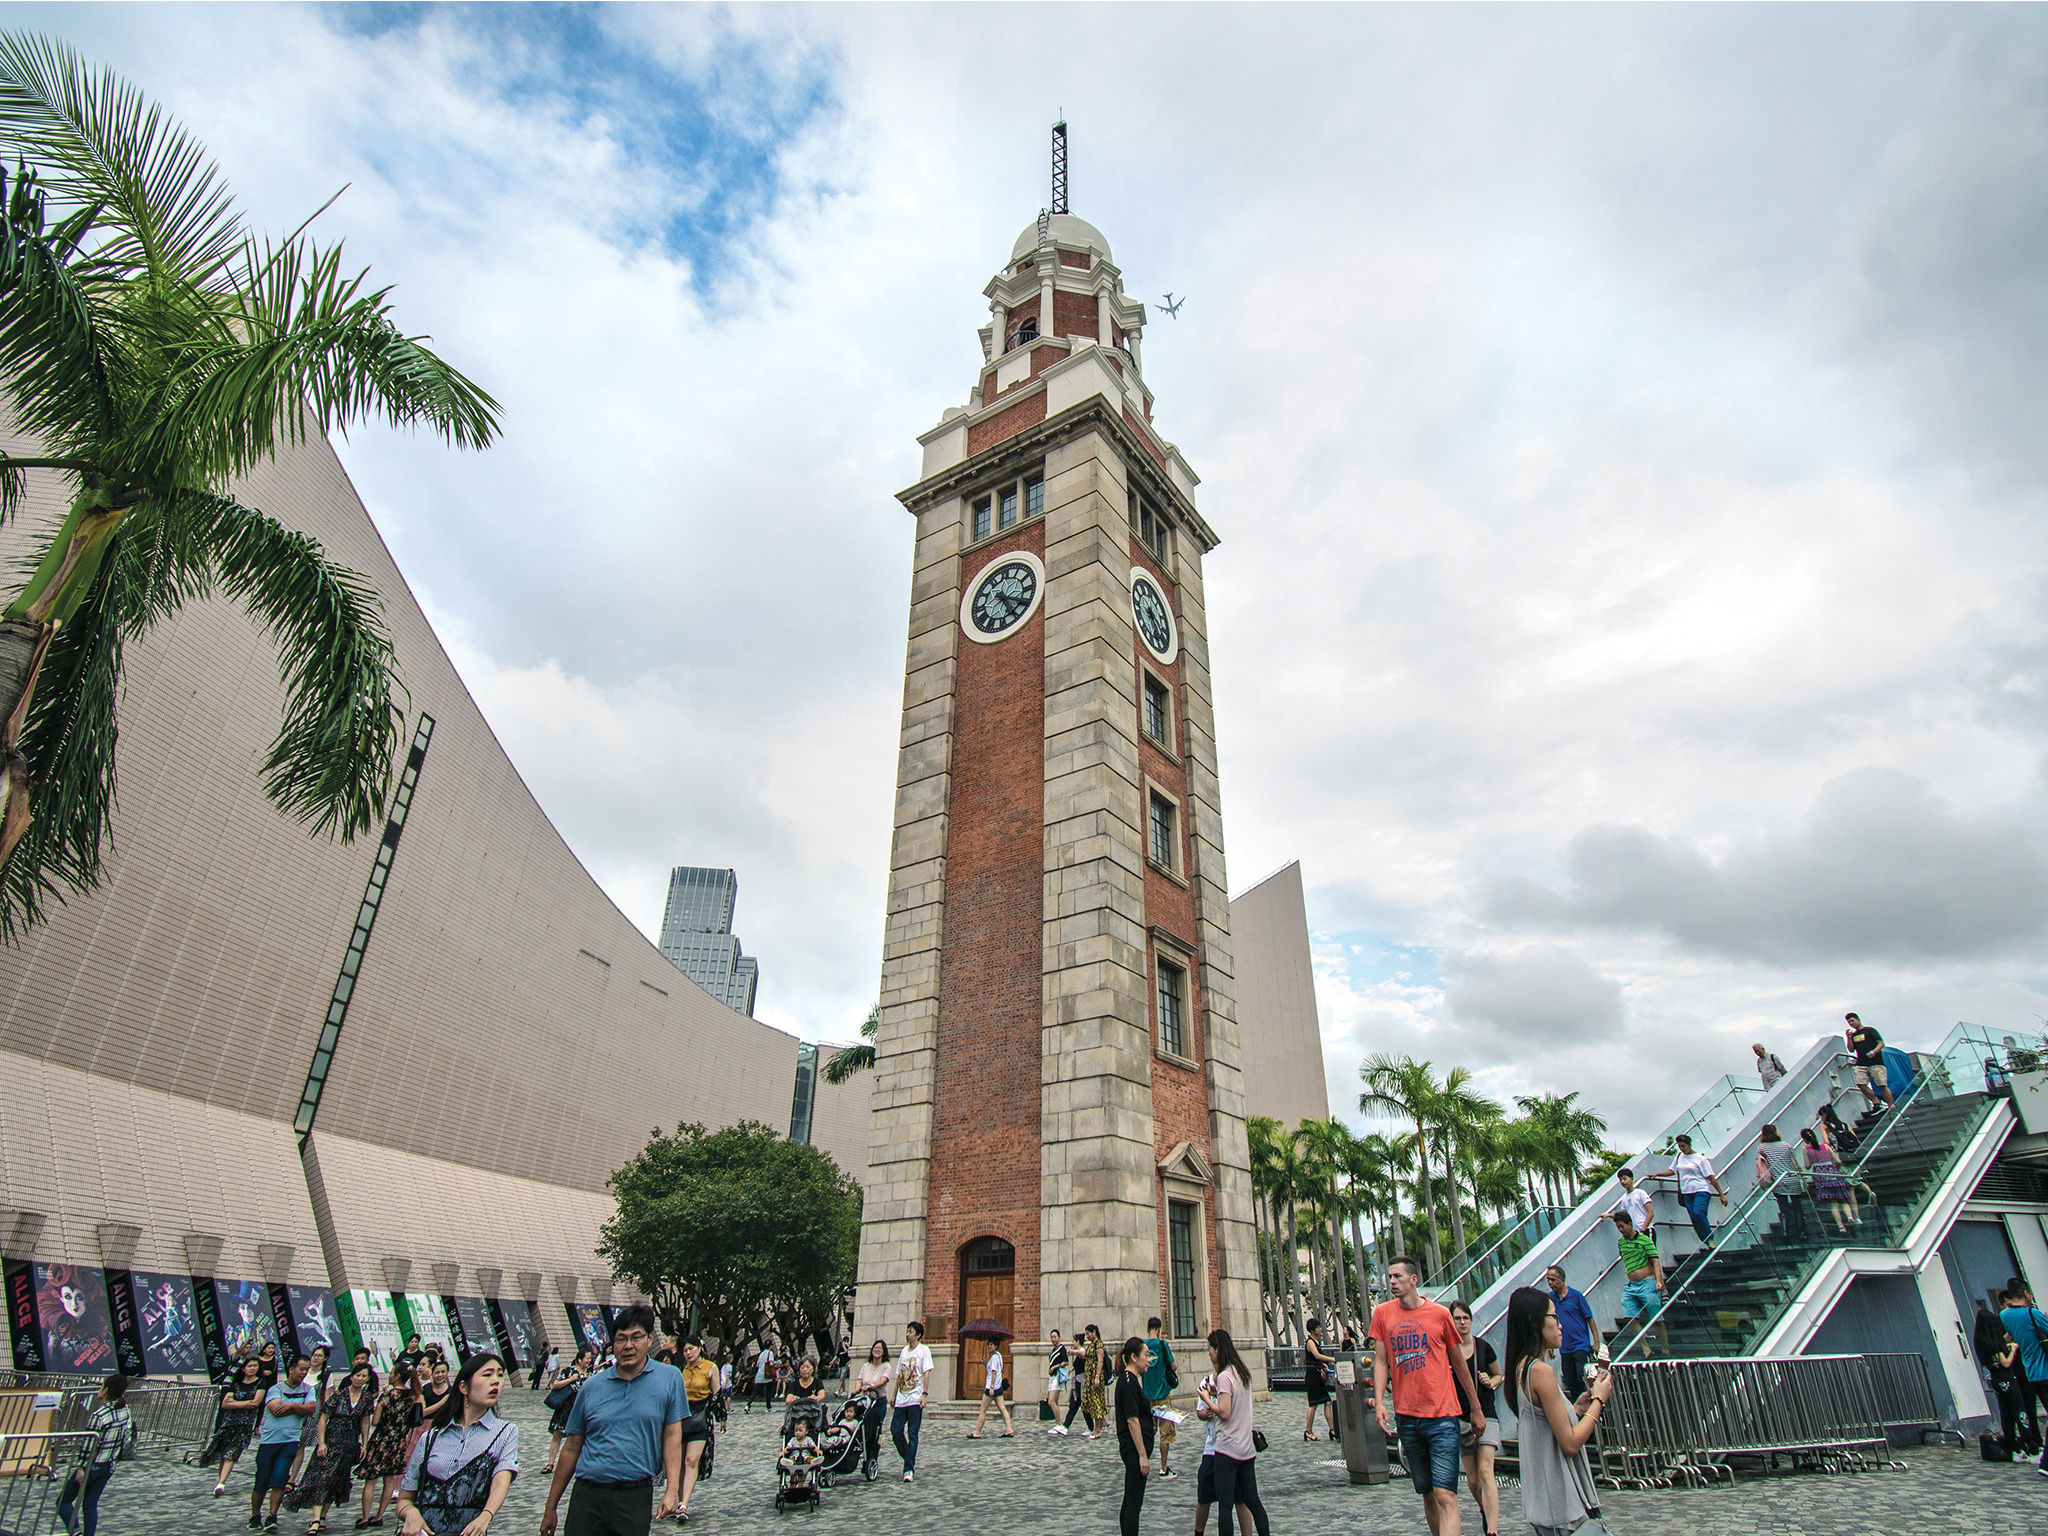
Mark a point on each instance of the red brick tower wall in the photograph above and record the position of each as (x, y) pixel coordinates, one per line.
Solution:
(986, 1120)
(1180, 1094)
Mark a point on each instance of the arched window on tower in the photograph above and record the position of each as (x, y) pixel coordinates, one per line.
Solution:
(1026, 332)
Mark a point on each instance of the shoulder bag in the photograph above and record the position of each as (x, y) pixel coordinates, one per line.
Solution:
(1172, 1375)
(560, 1397)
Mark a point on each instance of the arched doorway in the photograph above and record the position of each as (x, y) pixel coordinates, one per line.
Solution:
(988, 1283)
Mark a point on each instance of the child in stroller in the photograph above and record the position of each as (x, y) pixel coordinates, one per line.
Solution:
(800, 1470)
(845, 1438)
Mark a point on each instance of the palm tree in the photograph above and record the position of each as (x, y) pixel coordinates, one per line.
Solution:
(1458, 1112)
(1405, 1087)
(1262, 1132)
(1565, 1134)
(1290, 1183)
(1323, 1142)
(855, 1058)
(156, 351)
(1364, 1171)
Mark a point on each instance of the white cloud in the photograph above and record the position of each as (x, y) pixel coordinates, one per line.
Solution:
(1614, 419)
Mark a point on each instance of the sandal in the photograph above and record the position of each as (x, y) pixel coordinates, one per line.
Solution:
(971, 1437)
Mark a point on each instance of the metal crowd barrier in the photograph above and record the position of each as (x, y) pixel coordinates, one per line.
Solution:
(1284, 1368)
(173, 1415)
(1905, 1395)
(33, 1471)
(1676, 1422)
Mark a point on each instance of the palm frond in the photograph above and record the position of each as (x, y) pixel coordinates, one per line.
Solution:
(307, 346)
(331, 762)
(69, 743)
(101, 141)
(52, 352)
(843, 1065)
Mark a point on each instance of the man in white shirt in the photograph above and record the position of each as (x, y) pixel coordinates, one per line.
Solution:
(1695, 1179)
(1768, 1067)
(1635, 1204)
(913, 1380)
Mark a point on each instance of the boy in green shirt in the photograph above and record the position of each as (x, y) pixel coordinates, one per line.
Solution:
(1642, 1299)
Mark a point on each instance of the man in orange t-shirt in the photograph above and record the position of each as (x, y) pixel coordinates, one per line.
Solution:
(1420, 1344)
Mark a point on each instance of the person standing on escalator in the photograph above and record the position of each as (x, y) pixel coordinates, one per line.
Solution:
(1866, 1045)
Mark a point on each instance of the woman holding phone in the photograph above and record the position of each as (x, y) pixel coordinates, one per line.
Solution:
(1557, 1480)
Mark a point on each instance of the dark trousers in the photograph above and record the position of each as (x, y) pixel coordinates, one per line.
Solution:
(871, 1427)
(95, 1483)
(1237, 1484)
(2035, 1395)
(1134, 1487)
(2012, 1407)
(1075, 1407)
(1574, 1363)
(904, 1424)
(604, 1509)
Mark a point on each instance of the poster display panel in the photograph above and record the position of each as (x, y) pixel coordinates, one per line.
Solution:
(376, 1324)
(478, 1336)
(71, 1305)
(169, 1319)
(244, 1315)
(315, 1320)
(517, 1332)
(127, 1326)
(430, 1322)
(21, 1315)
(587, 1319)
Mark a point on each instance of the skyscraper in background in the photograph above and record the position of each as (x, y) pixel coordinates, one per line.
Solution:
(697, 937)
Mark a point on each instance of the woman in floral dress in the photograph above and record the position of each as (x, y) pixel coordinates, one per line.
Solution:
(1095, 1362)
(337, 1444)
(240, 1401)
(384, 1451)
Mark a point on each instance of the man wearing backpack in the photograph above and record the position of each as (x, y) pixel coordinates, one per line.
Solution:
(2029, 1328)
(1160, 1380)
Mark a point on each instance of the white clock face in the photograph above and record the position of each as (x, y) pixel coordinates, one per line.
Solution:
(1154, 617)
(1002, 596)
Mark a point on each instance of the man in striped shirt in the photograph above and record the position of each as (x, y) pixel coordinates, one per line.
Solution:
(113, 1424)
(1642, 1299)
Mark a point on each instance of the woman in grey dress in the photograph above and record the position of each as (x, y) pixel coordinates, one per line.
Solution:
(1557, 1482)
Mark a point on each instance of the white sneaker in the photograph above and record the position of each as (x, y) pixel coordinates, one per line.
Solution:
(910, 1477)
(219, 1489)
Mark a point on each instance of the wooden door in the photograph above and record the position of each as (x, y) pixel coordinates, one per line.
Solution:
(984, 1296)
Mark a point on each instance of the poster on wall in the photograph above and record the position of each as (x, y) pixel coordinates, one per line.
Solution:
(478, 1336)
(71, 1305)
(207, 1302)
(375, 1321)
(127, 1326)
(281, 1324)
(244, 1315)
(516, 1332)
(315, 1320)
(425, 1317)
(169, 1322)
(21, 1315)
(587, 1319)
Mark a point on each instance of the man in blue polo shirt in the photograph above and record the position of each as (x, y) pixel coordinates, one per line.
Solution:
(626, 1425)
(1581, 1333)
(2028, 1325)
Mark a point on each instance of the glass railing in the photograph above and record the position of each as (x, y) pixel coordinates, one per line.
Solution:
(1728, 1299)
(1484, 1260)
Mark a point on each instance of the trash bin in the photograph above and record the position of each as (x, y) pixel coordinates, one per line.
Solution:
(1365, 1447)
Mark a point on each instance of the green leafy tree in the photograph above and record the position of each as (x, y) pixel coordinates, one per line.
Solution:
(741, 1227)
(154, 351)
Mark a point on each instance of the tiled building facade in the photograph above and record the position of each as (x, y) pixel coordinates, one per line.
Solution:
(509, 1037)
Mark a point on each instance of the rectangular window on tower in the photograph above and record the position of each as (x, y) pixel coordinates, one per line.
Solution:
(1180, 1247)
(1150, 526)
(1161, 821)
(1006, 506)
(1172, 988)
(1158, 712)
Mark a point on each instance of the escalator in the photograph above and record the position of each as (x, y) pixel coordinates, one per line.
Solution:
(1731, 1298)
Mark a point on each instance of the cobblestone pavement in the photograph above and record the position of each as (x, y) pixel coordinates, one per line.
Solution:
(1071, 1486)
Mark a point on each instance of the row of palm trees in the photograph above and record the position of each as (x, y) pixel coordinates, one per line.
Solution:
(1458, 1157)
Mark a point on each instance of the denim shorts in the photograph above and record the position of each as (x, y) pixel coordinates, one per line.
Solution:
(1205, 1481)
(1640, 1297)
(1429, 1450)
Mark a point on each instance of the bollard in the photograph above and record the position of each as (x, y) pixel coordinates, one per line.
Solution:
(1365, 1446)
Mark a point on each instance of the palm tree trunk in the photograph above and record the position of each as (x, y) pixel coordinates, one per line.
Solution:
(1436, 1252)
(1445, 1143)
(1294, 1273)
(1337, 1259)
(1358, 1272)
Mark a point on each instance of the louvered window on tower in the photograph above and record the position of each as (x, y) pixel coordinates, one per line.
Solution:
(1172, 984)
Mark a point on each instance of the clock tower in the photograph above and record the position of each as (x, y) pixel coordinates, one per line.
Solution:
(1058, 1129)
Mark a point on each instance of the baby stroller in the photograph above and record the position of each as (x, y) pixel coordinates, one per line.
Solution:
(800, 1468)
(844, 1440)
(872, 1407)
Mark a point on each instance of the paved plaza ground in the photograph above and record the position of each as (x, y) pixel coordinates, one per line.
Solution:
(1060, 1487)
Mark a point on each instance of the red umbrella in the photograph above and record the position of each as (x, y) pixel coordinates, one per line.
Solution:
(986, 1328)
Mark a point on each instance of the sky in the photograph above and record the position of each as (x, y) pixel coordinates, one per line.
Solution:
(1623, 425)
